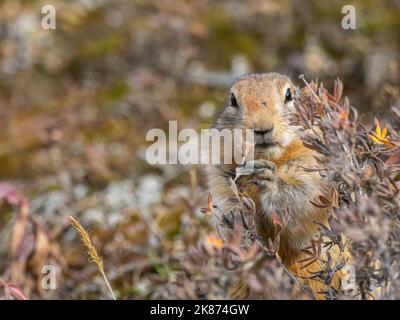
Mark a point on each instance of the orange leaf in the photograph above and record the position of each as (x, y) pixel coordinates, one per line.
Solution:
(210, 206)
(214, 242)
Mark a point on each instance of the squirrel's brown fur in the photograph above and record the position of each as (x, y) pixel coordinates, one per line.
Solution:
(279, 158)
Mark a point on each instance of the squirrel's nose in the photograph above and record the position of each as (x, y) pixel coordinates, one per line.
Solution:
(263, 131)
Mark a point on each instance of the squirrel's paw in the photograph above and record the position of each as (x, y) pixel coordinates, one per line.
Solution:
(261, 173)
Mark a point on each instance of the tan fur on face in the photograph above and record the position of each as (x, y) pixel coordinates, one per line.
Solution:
(261, 99)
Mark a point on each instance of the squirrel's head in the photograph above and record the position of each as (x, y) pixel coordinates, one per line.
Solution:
(264, 103)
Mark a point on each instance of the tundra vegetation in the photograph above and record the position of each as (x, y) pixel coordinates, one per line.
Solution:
(76, 103)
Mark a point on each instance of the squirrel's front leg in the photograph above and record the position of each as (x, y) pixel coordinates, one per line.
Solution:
(260, 175)
(288, 188)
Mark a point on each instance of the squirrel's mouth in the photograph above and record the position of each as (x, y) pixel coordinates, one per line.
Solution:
(264, 141)
(266, 145)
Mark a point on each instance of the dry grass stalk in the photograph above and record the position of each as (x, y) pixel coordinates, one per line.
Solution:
(91, 251)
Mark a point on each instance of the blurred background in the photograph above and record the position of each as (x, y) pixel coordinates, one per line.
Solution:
(76, 103)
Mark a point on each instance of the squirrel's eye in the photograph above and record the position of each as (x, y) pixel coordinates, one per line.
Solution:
(288, 96)
(233, 101)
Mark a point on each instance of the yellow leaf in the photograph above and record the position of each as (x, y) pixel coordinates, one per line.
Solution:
(380, 135)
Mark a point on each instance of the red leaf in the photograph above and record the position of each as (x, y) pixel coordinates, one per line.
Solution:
(9, 194)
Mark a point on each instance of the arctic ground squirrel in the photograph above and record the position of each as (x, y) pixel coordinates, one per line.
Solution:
(280, 181)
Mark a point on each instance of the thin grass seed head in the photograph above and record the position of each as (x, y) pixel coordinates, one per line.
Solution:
(90, 248)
